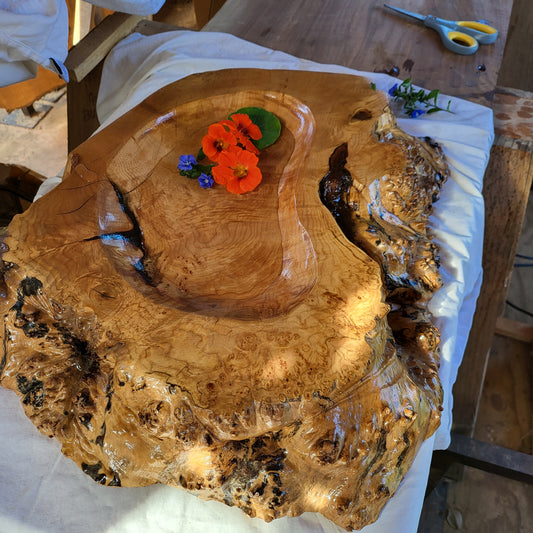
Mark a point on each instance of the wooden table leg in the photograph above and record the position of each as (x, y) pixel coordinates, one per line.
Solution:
(507, 184)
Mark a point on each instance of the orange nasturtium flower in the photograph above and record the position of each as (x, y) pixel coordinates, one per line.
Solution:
(237, 170)
(217, 141)
(244, 129)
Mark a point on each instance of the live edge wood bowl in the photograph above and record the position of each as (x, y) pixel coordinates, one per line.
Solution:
(270, 350)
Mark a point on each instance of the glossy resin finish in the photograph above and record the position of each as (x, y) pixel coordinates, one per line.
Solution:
(270, 350)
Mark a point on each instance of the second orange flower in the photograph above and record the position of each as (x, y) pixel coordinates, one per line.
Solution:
(237, 170)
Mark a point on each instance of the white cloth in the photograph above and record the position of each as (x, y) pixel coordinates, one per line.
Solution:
(32, 32)
(36, 479)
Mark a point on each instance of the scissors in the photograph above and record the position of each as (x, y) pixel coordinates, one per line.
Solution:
(460, 36)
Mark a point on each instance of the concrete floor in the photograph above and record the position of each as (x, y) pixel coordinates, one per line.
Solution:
(43, 148)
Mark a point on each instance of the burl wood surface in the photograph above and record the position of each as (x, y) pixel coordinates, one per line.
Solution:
(239, 346)
(364, 35)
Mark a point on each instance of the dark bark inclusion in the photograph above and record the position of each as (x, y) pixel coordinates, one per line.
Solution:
(83, 362)
(134, 237)
(3, 362)
(334, 191)
(334, 188)
(32, 391)
(408, 291)
(94, 471)
(82, 357)
(28, 322)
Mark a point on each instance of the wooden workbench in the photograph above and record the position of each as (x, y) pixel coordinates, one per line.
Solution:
(365, 36)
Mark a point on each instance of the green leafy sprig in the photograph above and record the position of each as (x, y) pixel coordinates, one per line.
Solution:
(413, 97)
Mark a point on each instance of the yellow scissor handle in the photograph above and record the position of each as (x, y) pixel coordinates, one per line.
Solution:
(462, 39)
(483, 33)
(456, 41)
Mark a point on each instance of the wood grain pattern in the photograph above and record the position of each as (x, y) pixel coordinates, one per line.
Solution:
(506, 414)
(364, 35)
(237, 346)
(86, 55)
(514, 330)
(517, 65)
(507, 185)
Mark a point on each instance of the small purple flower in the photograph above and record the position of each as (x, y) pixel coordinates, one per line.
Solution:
(186, 162)
(416, 113)
(205, 181)
(393, 89)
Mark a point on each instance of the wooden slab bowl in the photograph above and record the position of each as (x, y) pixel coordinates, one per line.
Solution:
(239, 346)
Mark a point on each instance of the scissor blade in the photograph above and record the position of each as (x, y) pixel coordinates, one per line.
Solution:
(408, 13)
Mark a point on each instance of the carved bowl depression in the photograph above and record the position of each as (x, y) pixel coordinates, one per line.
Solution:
(270, 350)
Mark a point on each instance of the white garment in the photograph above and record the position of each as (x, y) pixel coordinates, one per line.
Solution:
(32, 32)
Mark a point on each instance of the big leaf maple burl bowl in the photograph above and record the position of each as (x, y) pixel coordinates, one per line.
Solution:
(271, 350)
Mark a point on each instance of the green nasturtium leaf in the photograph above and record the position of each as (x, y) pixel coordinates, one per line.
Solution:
(201, 155)
(266, 121)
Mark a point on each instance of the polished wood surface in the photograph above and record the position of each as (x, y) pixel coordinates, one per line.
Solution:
(364, 35)
(240, 346)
